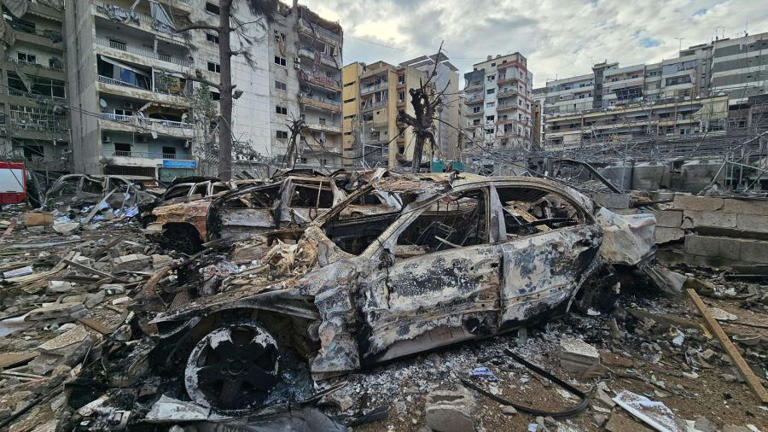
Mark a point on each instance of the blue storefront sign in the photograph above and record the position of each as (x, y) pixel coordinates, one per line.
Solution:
(175, 163)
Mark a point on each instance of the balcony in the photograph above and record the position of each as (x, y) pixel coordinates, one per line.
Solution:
(320, 103)
(114, 13)
(144, 159)
(121, 88)
(33, 96)
(320, 81)
(51, 36)
(475, 114)
(143, 52)
(373, 105)
(315, 55)
(507, 107)
(315, 30)
(324, 128)
(506, 80)
(509, 92)
(474, 100)
(131, 123)
(372, 88)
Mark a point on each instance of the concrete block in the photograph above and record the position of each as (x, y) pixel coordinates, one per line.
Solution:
(715, 247)
(708, 219)
(577, 355)
(669, 218)
(612, 200)
(697, 203)
(666, 234)
(743, 206)
(752, 223)
(451, 410)
(754, 251)
(132, 262)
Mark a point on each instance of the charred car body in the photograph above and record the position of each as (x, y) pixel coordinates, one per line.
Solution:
(461, 260)
(80, 190)
(240, 209)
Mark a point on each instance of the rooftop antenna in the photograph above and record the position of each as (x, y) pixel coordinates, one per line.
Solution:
(680, 43)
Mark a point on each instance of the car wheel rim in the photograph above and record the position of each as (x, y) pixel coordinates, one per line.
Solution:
(233, 368)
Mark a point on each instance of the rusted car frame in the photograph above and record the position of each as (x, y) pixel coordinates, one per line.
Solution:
(79, 190)
(460, 261)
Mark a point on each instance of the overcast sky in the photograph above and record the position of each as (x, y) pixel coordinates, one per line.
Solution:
(560, 38)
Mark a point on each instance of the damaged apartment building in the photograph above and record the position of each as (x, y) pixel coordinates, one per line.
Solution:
(373, 96)
(675, 97)
(305, 83)
(33, 111)
(142, 110)
(498, 108)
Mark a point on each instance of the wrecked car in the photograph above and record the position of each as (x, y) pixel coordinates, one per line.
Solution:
(80, 190)
(249, 207)
(461, 260)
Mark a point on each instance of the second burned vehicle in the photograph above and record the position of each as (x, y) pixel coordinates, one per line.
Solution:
(462, 259)
(212, 210)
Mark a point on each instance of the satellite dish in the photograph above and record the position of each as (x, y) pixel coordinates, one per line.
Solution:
(102, 103)
(17, 8)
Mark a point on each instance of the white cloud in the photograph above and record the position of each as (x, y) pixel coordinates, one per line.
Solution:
(560, 37)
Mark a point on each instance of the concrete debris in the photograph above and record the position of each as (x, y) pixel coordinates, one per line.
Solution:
(578, 356)
(652, 413)
(132, 262)
(450, 411)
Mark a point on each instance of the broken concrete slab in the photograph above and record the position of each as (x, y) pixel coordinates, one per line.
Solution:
(66, 349)
(578, 356)
(652, 413)
(168, 409)
(132, 262)
(697, 203)
(160, 261)
(59, 287)
(451, 410)
(669, 218)
(57, 311)
(66, 228)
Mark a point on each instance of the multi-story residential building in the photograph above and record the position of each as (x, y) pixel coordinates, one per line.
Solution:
(143, 111)
(740, 67)
(568, 95)
(34, 108)
(446, 80)
(371, 131)
(498, 102)
(305, 75)
(663, 118)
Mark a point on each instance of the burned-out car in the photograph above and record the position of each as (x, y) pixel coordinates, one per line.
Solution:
(460, 260)
(241, 209)
(80, 190)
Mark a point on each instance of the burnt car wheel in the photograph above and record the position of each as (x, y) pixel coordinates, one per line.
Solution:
(233, 368)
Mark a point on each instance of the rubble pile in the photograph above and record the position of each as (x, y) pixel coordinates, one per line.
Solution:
(393, 308)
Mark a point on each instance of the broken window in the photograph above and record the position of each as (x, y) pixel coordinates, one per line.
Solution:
(352, 230)
(177, 191)
(280, 86)
(281, 134)
(212, 8)
(314, 196)
(530, 211)
(122, 149)
(214, 67)
(200, 190)
(456, 220)
(92, 186)
(26, 58)
(212, 38)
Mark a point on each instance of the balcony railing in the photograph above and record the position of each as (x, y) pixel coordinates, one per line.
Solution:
(321, 80)
(17, 92)
(143, 155)
(144, 52)
(372, 105)
(373, 88)
(146, 121)
(322, 103)
(53, 35)
(112, 81)
(52, 67)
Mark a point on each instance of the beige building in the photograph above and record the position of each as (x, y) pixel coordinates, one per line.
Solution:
(374, 94)
(34, 124)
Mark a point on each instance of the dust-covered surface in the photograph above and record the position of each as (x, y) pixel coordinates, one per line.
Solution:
(98, 323)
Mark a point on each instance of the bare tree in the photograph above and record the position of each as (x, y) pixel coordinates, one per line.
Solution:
(296, 126)
(425, 101)
(228, 25)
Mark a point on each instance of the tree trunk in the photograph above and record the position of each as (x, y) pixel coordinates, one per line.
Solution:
(417, 150)
(225, 76)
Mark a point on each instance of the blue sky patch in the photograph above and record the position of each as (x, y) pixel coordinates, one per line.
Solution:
(649, 42)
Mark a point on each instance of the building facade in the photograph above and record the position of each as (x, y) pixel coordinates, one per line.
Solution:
(305, 83)
(740, 67)
(632, 121)
(34, 107)
(374, 95)
(499, 104)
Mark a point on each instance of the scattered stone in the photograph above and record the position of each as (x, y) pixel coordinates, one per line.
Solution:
(600, 419)
(65, 228)
(57, 311)
(59, 287)
(450, 411)
(508, 410)
(722, 315)
(577, 355)
(160, 261)
(702, 424)
(132, 262)
(95, 299)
